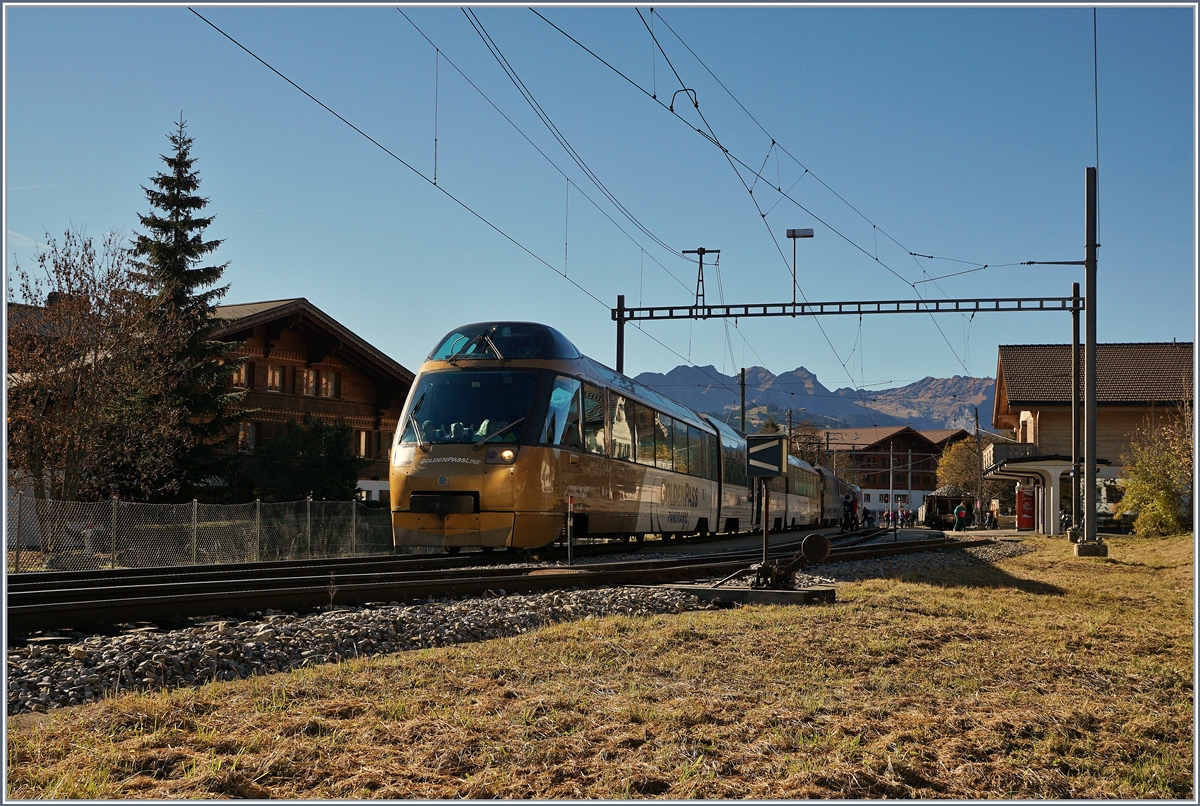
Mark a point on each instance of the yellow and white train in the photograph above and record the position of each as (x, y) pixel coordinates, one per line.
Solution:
(507, 424)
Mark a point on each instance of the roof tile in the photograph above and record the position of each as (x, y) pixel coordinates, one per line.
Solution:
(1125, 373)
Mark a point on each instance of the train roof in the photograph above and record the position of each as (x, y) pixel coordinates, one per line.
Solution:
(800, 463)
(531, 341)
(521, 341)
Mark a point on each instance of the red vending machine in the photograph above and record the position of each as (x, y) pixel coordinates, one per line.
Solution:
(1025, 505)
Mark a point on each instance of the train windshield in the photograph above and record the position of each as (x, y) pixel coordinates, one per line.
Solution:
(467, 406)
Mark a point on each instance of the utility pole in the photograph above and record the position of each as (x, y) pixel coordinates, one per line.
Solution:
(701, 252)
(789, 442)
(979, 448)
(621, 333)
(892, 491)
(1090, 545)
(1075, 411)
(743, 385)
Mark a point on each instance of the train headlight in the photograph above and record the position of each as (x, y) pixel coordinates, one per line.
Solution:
(402, 455)
(501, 455)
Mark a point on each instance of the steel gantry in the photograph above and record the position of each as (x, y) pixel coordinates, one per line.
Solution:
(1090, 544)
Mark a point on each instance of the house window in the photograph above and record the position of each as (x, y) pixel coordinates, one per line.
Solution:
(238, 379)
(246, 437)
(329, 384)
(901, 499)
(866, 498)
(274, 379)
(306, 381)
(364, 439)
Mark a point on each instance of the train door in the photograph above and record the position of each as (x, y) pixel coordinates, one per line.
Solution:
(571, 424)
(588, 471)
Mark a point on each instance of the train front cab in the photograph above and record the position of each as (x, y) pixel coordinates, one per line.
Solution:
(490, 449)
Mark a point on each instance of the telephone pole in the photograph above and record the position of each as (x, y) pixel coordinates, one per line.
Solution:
(743, 385)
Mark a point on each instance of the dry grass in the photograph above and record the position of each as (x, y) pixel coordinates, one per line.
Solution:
(1047, 676)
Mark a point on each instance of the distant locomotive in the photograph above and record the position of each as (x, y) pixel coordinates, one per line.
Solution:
(507, 424)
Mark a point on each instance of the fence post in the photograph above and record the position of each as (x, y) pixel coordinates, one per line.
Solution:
(308, 523)
(257, 530)
(195, 505)
(113, 535)
(353, 528)
(17, 562)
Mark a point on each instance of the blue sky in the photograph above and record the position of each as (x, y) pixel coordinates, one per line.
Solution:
(961, 133)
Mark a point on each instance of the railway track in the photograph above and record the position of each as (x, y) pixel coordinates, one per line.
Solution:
(83, 600)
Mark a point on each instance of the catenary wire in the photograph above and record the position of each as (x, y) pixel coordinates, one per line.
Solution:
(874, 227)
(430, 182)
(553, 164)
(757, 206)
(511, 73)
(729, 155)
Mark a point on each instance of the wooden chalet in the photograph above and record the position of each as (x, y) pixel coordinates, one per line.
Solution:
(862, 455)
(303, 361)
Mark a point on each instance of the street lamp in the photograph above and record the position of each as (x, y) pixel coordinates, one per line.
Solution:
(806, 232)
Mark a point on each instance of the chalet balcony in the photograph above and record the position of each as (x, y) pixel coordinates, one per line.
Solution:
(1003, 451)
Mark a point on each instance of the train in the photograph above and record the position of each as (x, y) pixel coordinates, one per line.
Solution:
(508, 426)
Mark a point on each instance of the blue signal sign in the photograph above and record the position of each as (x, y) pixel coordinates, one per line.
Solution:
(765, 455)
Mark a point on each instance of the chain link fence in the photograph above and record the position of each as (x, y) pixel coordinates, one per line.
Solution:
(45, 535)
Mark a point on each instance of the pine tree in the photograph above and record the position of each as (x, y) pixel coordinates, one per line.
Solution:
(169, 258)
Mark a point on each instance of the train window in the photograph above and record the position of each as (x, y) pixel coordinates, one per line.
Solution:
(562, 420)
(644, 422)
(621, 414)
(664, 448)
(680, 453)
(466, 406)
(712, 451)
(593, 419)
(735, 465)
(695, 452)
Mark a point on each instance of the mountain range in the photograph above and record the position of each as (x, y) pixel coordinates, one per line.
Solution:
(930, 403)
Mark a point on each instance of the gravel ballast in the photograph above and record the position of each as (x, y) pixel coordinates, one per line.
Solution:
(53, 672)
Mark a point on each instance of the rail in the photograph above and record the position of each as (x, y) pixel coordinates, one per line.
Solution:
(298, 587)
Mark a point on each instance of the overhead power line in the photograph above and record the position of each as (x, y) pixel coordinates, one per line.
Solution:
(545, 156)
(734, 158)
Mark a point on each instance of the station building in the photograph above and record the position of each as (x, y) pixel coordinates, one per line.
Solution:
(303, 361)
(1134, 382)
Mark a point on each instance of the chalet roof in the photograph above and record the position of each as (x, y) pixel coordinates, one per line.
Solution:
(1140, 373)
(841, 439)
(246, 316)
(246, 309)
(940, 436)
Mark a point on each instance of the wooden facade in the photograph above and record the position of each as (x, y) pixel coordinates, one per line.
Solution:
(1134, 382)
(301, 361)
(861, 455)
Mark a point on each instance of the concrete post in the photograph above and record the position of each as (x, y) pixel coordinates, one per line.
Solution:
(1054, 509)
(17, 559)
(113, 557)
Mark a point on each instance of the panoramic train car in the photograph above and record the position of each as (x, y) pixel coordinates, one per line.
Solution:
(507, 424)
(507, 421)
(738, 510)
